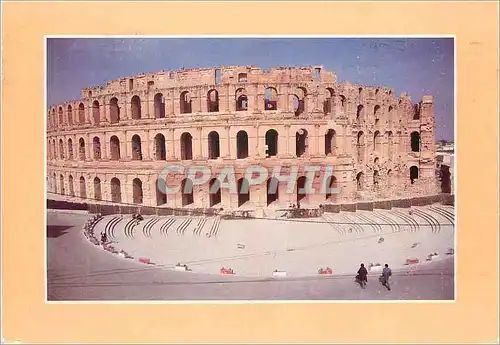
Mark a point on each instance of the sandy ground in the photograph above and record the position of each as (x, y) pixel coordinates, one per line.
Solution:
(77, 270)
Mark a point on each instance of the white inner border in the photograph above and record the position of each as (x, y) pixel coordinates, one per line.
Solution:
(255, 301)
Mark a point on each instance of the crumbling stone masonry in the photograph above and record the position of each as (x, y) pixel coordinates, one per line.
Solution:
(112, 143)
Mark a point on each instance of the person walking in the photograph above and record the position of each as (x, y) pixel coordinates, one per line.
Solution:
(362, 277)
(386, 273)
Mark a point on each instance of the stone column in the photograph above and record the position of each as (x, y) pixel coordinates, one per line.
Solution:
(199, 154)
(287, 132)
(318, 144)
(228, 138)
(170, 154)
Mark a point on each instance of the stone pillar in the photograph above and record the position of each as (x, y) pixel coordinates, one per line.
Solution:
(287, 139)
(170, 154)
(199, 154)
(228, 139)
(317, 150)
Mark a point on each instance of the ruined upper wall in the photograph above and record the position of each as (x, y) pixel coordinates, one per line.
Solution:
(213, 76)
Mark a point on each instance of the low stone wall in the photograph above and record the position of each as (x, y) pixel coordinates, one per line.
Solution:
(105, 209)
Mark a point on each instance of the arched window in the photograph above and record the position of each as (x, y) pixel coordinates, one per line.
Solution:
(70, 149)
(270, 99)
(241, 100)
(242, 77)
(413, 174)
(136, 148)
(241, 145)
(135, 104)
(137, 191)
(360, 181)
(298, 101)
(114, 110)
(97, 188)
(301, 142)
(301, 193)
(81, 149)
(159, 102)
(186, 146)
(83, 188)
(329, 97)
(160, 150)
(243, 191)
(71, 186)
(61, 116)
(187, 192)
(377, 141)
(213, 101)
(415, 141)
(375, 178)
(214, 192)
(330, 142)
(114, 145)
(343, 103)
(61, 149)
(272, 190)
(81, 113)
(61, 184)
(360, 145)
(116, 190)
(360, 113)
(331, 183)
(70, 114)
(161, 196)
(272, 142)
(96, 143)
(213, 145)
(96, 112)
(376, 111)
(185, 103)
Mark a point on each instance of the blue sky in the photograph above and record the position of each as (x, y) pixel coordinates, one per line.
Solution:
(418, 66)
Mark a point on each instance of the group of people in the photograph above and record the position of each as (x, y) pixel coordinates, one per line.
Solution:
(362, 277)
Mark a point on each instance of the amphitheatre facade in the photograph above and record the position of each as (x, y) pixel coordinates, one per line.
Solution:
(111, 145)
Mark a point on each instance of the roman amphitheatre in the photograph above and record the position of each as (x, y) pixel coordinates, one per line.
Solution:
(106, 152)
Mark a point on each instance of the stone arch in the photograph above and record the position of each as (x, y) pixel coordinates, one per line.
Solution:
(81, 149)
(187, 192)
(186, 146)
(272, 137)
(54, 182)
(136, 148)
(137, 195)
(415, 141)
(331, 182)
(301, 193)
(214, 192)
(329, 97)
(185, 103)
(81, 113)
(413, 174)
(241, 145)
(159, 105)
(360, 113)
(96, 147)
(114, 110)
(270, 99)
(390, 143)
(70, 149)
(272, 190)
(53, 118)
(330, 142)
(213, 101)
(116, 190)
(160, 148)
(135, 106)
(389, 178)
(241, 98)
(377, 138)
(61, 116)
(376, 161)
(83, 188)
(71, 186)
(69, 110)
(54, 151)
(61, 149)
(114, 148)
(376, 178)
(360, 181)
(390, 113)
(360, 92)
(360, 145)
(61, 184)
(213, 145)
(97, 188)
(376, 111)
(161, 196)
(301, 142)
(96, 112)
(343, 103)
(298, 101)
(243, 191)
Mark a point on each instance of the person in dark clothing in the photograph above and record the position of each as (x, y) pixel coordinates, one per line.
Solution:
(362, 277)
(104, 238)
(384, 278)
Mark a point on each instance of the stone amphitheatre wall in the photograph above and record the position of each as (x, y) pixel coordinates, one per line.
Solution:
(112, 143)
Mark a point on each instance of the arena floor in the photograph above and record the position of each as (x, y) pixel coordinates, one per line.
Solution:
(258, 247)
